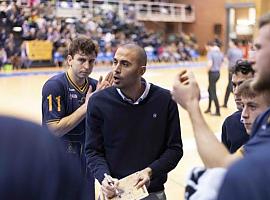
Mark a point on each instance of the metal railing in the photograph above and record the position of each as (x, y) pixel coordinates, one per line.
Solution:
(140, 10)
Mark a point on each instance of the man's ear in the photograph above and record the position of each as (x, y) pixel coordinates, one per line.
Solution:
(69, 60)
(142, 70)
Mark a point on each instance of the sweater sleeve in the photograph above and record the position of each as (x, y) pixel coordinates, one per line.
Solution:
(174, 149)
(94, 145)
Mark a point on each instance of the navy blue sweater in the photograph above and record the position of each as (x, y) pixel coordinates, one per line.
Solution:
(234, 134)
(122, 138)
(249, 178)
(34, 164)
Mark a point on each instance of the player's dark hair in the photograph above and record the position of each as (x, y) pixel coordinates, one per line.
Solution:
(82, 45)
(243, 66)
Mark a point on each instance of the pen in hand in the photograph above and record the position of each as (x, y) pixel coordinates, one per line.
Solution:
(111, 183)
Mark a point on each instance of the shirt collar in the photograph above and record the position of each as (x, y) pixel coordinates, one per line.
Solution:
(142, 97)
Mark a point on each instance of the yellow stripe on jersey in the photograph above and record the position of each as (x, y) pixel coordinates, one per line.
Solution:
(82, 89)
(85, 86)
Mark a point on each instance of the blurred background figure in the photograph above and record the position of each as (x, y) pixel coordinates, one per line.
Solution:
(13, 57)
(33, 164)
(215, 59)
(24, 60)
(234, 53)
(3, 57)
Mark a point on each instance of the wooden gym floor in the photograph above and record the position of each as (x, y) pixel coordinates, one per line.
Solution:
(20, 96)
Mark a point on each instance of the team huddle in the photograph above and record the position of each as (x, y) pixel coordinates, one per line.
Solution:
(121, 124)
(110, 123)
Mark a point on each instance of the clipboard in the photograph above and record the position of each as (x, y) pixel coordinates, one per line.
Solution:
(128, 191)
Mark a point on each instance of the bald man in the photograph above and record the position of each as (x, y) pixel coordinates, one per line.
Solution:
(131, 127)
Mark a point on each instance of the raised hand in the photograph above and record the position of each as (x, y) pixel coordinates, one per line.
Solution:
(107, 82)
(185, 90)
(88, 94)
(109, 78)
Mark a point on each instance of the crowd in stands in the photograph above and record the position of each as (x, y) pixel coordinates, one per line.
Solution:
(38, 22)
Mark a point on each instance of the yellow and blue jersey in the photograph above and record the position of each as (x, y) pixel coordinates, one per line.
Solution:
(60, 98)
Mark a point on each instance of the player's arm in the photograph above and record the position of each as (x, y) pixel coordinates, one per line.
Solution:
(213, 153)
(66, 124)
(54, 113)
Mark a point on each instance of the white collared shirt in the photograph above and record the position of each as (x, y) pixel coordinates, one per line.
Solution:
(142, 97)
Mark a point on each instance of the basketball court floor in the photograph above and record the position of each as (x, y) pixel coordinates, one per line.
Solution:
(20, 96)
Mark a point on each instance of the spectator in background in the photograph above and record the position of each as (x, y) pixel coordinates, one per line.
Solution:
(234, 53)
(215, 60)
(3, 57)
(105, 26)
(59, 56)
(13, 55)
(25, 62)
(3, 36)
(188, 9)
